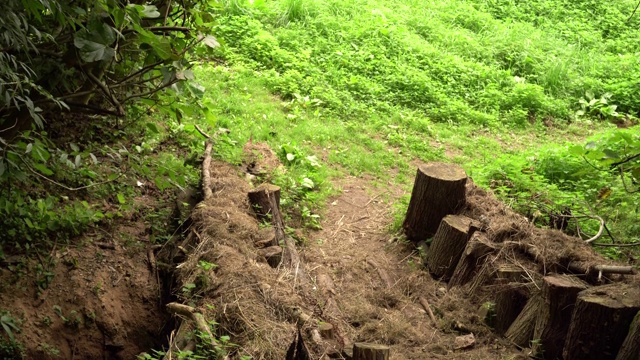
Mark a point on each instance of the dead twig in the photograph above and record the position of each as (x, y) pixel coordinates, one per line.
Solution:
(197, 318)
(427, 308)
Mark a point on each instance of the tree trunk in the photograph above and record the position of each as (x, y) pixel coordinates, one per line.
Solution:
(472, 259)
(448, 245)
(367, 351)
(439, 190)
(511, 299)
(559, 293)
(630, 349)
(521, 330)
(601, 320)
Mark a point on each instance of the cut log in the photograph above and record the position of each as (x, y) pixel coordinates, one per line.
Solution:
(511, 299)
(439, 190)
(630, 349)
(559, 293)
(265, 201)
(472, 259)
(326, 330)
(521, 330)
(368, 351)
(448, 245)
(601, 320)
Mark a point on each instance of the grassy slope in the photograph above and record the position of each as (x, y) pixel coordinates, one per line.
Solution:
(368, 86)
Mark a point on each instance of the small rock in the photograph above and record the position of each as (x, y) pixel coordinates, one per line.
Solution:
(441, 291)
(464, 341)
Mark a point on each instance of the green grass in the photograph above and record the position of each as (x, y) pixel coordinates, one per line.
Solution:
(370, 86)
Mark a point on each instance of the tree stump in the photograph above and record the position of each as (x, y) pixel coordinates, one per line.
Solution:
(439, 190)
(265, 201)
(521, 330)
(601, 319)
(559, 293)
(630, 349)
(511, 299)
(472, 259)
(448, 245)
(326, 330)
(368, 351)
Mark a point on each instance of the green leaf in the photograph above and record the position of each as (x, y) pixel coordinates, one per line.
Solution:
(28, 149)
(74, 147)
(93, 158)
(43, 169)
(153, 127)
(149, 11)
(29, 223)
(611, 154)
(95, 42)
(308, 183)
(161, 46)
(211, 42)
(78, 161)
(121, 199)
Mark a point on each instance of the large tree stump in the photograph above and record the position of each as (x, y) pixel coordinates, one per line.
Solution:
(521, 330)
(559, 293)
(630, 349)
(265, 201)
(472, 259)
(601, 320)
(439, 190)
(448, 245)
(511, 299)
(368, 351)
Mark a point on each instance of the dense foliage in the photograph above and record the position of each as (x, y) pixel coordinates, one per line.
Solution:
(90, 57)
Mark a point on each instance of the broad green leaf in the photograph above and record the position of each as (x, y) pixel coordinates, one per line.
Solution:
(153, 127)
(121, 199)
(150, 11)
(211, 41)
(29, 223)
(28, 149)
(611, 154)
(74, 147)
(78, 161)
(591, 145)
(95, 42)
(43, 169)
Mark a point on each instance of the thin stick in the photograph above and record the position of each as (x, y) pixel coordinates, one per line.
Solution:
(206, 175)
(427, 308)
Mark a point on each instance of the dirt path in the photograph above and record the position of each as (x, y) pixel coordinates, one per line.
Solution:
(378, 281)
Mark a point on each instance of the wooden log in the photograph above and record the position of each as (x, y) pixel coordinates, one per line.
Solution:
(559, 293)
(448, 245)
(521, 330)
(630, 349)
(265, 201)
(511, 299)
(472, 259)
(368, 351)
(601, 320)
(439, 190)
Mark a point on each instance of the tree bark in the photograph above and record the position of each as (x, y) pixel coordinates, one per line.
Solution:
(559, 293)
(511, 299)
(367, 351)
(630, 349)
(439, 190)
(472, 259)
(601, 320)
(448, 245)
(521, 330)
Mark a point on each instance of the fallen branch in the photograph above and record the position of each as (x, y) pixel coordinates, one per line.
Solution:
(197, 318)
(427, 308)
(206, 174)
(582, 268)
